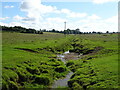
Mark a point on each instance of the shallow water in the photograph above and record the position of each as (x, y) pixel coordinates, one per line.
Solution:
(61, 57)
(62, 82)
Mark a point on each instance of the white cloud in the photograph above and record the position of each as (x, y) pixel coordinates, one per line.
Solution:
(57, 19)
(71, 14)
(65, 11)
(95, 24)
(113, 19)
(103, 1)
(37, 12)
(32, 8)
(94, 17)
(54, 23)
(8, 6)
(77, 15)
(4, 18)
(15, 24)
(17, 17)
(101, 25)
(36, 6)
(3, 24)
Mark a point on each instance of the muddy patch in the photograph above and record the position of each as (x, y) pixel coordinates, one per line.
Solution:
(69, 56)
(72, 56)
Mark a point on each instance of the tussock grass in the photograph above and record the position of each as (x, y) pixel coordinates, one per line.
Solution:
(29, 60)
(98, 69)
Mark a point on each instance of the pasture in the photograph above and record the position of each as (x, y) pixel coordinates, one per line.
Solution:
(30, 60)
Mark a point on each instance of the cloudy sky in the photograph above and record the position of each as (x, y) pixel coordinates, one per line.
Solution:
(87, 15)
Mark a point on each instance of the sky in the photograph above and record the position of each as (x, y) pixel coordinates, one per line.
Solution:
(87, 15)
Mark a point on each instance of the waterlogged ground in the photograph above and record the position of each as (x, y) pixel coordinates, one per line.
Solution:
(63, 82)
(64, 58)
(37, 61)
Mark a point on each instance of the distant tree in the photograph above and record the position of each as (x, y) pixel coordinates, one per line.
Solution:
(68, 31)
(89, 32)
(77, 31)
(93, 32)
(107, 31)
(53, 30)
(99, 32)
(40, 32)
(44, 30)
(81, 33)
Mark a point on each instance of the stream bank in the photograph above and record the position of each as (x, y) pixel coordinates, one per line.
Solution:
(64, 57)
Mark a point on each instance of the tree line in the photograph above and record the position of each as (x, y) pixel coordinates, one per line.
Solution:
(76, 31)
(20, 29)
(68, 31)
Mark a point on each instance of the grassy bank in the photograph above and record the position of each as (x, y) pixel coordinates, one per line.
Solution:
(29, 60)
(97, 68)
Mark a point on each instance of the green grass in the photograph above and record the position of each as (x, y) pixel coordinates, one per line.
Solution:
(96, 73)
(39, 67)
(28, 65)
(97, 70)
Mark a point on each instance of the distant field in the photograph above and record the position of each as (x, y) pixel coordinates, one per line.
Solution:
(29, 60)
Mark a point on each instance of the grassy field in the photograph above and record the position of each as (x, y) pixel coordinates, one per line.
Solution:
(30, 61)
(98, 69)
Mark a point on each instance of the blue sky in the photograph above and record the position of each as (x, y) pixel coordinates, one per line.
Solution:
(103, 10)
(88, 16)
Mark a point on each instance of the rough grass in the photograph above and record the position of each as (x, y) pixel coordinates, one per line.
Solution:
(98, 69)
(29, 59)
(22, 66)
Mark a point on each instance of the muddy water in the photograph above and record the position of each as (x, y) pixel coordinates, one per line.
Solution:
(63, 82)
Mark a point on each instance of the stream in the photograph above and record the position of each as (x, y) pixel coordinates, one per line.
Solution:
(63, 82)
